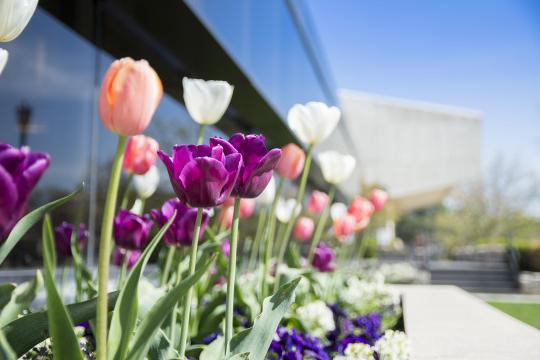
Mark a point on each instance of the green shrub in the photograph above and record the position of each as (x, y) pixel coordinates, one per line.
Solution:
(529, 254)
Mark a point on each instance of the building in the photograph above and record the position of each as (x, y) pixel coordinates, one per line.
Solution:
(266, 49)
(418, 151)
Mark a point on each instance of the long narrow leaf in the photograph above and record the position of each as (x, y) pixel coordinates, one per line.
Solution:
(21, 298)
(29, 220)
(127, 307)
(6, 352)
(149, 326)
(256, 340)
(28, 331)
(5, 293)
(65, 342)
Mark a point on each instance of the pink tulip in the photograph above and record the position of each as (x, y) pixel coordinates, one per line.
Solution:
(378, 198)
(317, 202)
(344, 226)
(292, 161)
(129, 96)
(141, 154)
(247, 207)
(303, 229)
(226, 216)
(361, 208)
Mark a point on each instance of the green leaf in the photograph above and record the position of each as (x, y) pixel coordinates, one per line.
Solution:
(256, 340)
(29, 220)
(214, 350)
(149, 326)
(125, 312)
(65, 343)
(6, 352)
(5, 293)
(161, 348)
(21, 298)
(28, 331)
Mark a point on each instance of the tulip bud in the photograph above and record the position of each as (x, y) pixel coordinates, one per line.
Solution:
(344, 226)
(336, 167)
(131, 230)
(226, 216)
(317, 202)
(140, 155)
(4, 55)
(338, 210)
(323, 259)
(62, 237)
(225, 247)
(129, 96)
(285, 209)
(314, 122)
(147, 184)
(292, 161)
(206, 101)
(361, 208)
(119, 254)
(14, 16)
(267, 196)
(303, 229)
(378, 198)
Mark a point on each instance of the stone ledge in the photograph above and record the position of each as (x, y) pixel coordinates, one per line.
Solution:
(447, 323)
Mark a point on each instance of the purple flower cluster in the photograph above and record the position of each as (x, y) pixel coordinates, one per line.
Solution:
(294, 345)
(364, 329)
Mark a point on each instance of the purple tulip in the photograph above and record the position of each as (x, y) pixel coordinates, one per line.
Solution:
(225, 247)
(119, 255)
(180, 233)
(202, 175)
(131, 230)
(62, 236)
(258, 163)
(324, 258)
(20, 170)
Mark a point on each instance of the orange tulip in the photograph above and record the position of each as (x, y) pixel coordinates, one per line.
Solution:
(292, 161)
(129, 96)
(141, 154)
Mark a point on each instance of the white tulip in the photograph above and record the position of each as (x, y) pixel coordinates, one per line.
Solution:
(338, 210)
(286, 208)
(14, 16)
(206, 101)
(267, 196)
(336, 167)
(314, 122)
(146, 185)
(4, 55)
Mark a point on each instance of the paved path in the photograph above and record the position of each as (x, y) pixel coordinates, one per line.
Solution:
(447, 323)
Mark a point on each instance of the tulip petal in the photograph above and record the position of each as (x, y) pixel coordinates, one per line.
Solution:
(206, 101)
(8, 199)
(228, 148)
(203, 178)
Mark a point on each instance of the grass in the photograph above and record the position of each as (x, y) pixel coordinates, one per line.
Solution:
(528, 313)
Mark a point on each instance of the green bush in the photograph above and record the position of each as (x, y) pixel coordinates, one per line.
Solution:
(529, 254)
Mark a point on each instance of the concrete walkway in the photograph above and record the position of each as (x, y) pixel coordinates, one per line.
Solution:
(447, 323)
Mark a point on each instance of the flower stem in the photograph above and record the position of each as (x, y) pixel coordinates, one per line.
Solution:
(105, 249)
(294, 216)
(200, 134)
(255, 244)
(268, 240)
(322, 223)
(123, 270)
(167, 266)
(231, 276)
(187, 302)
(174, 314)
(127, 191)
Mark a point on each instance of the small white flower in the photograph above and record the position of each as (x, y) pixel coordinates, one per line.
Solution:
(206, 101)
(4, 55)
(317, 318)
(338, 210)
(14, 16)
(286, 208)
(146, 185)
(357, 351)
(267, 196)
(314, 122)
(394, 345)
(336, 167)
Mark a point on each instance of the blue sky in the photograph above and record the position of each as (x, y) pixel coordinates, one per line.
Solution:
(479, 54)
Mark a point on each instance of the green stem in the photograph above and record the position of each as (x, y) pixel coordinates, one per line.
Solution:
(255, 244)
(231, 276)
(127, 191)
(186, 311)
(269, 240)
(322, 223)
(200, 134)
(63, 279)
(292, 220)
(167, 266)
(105, 249)
(123, 270)
(174, 314)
